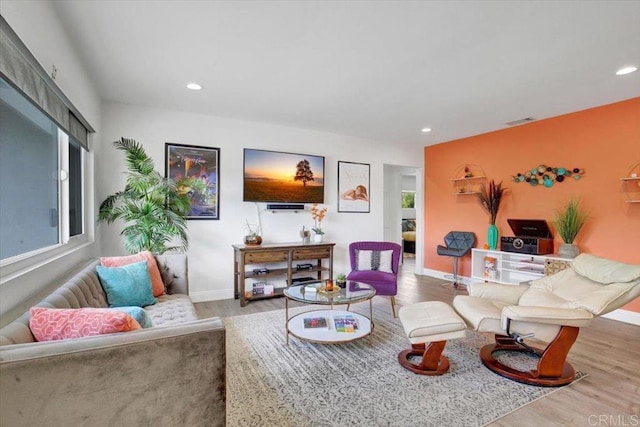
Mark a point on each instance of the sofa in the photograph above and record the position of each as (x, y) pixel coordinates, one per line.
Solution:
(171, 374)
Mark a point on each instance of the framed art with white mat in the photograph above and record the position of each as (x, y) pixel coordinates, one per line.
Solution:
(353, 187)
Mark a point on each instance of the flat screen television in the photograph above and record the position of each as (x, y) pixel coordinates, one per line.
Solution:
(277, 177)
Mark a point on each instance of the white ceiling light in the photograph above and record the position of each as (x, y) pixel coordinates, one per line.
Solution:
(194, 86)
(425, 130)
(626, 70)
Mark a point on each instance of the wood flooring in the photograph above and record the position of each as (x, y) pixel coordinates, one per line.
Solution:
(608, 351)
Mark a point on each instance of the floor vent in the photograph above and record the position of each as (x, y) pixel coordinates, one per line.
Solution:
(521, 121)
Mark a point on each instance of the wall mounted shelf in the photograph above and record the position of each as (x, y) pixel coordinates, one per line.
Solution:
(468, 178)
(631, 183)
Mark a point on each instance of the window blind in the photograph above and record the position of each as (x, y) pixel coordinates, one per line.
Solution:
(22, 69)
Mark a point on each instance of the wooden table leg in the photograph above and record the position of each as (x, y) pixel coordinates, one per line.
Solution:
(286, 318)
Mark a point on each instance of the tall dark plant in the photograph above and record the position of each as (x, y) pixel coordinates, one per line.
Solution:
(490, 198)
(152, 207)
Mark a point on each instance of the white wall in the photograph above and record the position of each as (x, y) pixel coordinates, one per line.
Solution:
(37, 24)
(210, 253)
(392, 203)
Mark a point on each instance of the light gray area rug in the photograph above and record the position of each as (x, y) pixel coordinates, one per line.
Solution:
(358, 384)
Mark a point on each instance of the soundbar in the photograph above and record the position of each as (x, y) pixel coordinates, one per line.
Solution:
(285, 207)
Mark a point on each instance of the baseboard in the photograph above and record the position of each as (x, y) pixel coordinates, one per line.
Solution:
(445, 275)
(211, 295)
(620, 315)
(626, 316)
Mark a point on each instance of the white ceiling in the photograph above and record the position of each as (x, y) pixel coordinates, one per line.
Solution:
(377, 70)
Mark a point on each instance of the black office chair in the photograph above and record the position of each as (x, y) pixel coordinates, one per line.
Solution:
(458, 243)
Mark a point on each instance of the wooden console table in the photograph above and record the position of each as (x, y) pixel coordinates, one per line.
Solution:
(279, 259)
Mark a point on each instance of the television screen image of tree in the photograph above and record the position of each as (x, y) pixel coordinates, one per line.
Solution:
(271, 176)
(303, 172)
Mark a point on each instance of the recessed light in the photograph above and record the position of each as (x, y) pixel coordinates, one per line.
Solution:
(425, 130)
(626, 70)
(194, 86)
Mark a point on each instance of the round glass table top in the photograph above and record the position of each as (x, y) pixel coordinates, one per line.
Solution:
(311, 293)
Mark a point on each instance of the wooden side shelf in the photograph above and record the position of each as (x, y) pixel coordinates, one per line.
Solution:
(631, 184)
(468, 178)
(465, 193)
(281, 260)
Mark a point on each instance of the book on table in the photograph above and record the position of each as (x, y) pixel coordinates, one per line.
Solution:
(262, 288)
(316, 323)
(347, 323)
(258, 288)
(311, 289)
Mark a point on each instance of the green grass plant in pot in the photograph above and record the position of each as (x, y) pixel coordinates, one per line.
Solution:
(568, 222)
(152, 207)
(490, 198)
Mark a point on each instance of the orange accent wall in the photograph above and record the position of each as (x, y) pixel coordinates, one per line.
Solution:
(604, 141)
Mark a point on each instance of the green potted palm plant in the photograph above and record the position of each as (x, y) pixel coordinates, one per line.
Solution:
(153, 207)
(568, 221)
(490, 198)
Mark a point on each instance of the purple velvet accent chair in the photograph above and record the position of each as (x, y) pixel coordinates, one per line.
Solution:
(384, 283)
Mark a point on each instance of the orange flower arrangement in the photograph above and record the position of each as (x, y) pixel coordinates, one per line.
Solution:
(318, 215)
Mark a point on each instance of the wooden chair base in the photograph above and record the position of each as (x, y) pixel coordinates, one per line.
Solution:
(432, 363)
(552, 370)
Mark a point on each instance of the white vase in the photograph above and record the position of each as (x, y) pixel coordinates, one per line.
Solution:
(317, 238)
(568, 250)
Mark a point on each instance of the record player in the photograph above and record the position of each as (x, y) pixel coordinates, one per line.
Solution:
(532, 236)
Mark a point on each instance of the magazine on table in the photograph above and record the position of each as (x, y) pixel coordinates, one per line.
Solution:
(316, 323)
(347, 323)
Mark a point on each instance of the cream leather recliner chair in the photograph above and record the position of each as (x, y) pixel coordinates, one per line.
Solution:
(551, 309)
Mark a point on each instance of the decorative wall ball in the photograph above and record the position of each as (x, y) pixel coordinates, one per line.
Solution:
(546, 176)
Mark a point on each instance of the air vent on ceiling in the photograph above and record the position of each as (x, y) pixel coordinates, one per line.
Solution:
(521, 121)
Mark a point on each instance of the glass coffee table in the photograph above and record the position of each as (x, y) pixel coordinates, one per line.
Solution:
(329, 326)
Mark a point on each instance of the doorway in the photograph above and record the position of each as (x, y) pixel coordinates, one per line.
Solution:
(396, 179)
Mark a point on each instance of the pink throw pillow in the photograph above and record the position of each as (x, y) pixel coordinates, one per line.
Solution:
(48, 324)
(157, 285)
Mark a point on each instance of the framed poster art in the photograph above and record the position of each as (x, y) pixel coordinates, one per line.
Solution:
(203, 164)
(353, 187)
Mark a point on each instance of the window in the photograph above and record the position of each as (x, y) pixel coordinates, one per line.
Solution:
(41, 176)
(408, 199)
(76, 223)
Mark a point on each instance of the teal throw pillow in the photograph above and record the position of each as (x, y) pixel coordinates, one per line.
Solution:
(137, 313)
(127, 285)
